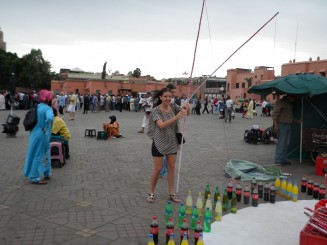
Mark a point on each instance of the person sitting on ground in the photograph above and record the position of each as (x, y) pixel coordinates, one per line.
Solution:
(59, 128)
(112, 128)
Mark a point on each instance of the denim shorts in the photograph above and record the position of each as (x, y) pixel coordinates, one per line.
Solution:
(155, 152)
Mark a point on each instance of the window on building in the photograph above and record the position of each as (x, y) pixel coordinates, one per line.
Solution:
(243, 85)
(261, 77)
(237, 85)
(97, 91)
(323, 74)
(110, 92)
(227, 86)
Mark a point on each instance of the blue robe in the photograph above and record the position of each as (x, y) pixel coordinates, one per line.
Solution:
(38, 160)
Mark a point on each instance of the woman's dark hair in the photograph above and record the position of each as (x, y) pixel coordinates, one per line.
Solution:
(156, 96)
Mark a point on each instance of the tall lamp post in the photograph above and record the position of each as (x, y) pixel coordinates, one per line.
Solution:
(11, 126)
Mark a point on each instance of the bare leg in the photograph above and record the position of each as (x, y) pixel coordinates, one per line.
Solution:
(171, 160)
(157, 165)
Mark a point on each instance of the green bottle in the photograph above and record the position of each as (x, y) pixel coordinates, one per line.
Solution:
(195, 217)
(225, 201)
(181, 214)
(207, 220)
(233, 208)
(206, 193)
(169, 212)
(216, 197)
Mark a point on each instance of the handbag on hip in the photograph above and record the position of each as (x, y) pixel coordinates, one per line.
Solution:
(179, 137)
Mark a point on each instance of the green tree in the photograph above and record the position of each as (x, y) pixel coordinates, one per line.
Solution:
(35, 71)
(130, 74)
(249, 81)
(103, 76)
(9, 63)
(116, 73)
(137, 73)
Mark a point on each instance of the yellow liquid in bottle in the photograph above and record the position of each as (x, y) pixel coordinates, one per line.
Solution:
(277, 185)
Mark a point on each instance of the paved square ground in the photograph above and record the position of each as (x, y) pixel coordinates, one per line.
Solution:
(99, 196)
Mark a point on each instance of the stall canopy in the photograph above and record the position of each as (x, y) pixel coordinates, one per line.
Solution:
(303, 84)
(310, 106)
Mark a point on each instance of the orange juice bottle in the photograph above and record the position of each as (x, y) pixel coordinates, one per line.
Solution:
(295, 192)
(289, 189)
(277, 185)
(283, 191)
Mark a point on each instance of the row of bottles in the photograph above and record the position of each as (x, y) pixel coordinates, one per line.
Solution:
(311, 187)
(171, 240)
(184, 231)
(290, 190)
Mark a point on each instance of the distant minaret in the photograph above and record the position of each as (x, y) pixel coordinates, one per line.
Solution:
(2, 43)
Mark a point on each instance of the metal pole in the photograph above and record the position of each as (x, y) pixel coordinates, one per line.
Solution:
(301, 134)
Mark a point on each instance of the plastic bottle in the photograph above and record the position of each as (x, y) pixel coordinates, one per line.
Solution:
(206, 193)
(239, 192)
(199, 204)
(189, 203)
(171, 240)
(255, 197)
(181, 214)
(260, 189)
(225, 201)
(253, 185)
(310, 186)
(304, 184)
(198, 230)
(207, 220)
(322, 192)
(295, 192)
(150, 242)
(169, 229)
(169, 212)
(184, 230)
(266, 190)
(184, 240)
(277, 185)
(246, 194)
(218, 211)
(216, 196)
(154, 229)
(208, 203)
(194, 218)
(283, 187)
(233, 208)
(272, 194)
(230, 190)
(289, 190)
(316, 190)
(200, 241)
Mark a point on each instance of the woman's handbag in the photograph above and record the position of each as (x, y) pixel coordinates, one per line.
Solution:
(179, 137)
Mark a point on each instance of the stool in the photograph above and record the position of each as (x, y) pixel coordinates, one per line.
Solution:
(321, 165)
(57, 153)
(90, 133)
(102, 135)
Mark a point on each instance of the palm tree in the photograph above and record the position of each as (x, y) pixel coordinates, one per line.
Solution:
(249, 81)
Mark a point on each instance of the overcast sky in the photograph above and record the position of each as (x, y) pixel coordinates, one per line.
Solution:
(158, 36)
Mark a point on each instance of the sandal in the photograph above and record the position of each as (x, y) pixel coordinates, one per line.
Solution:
(150, 198)
(141, 132)
(174, 198)
(41, 182)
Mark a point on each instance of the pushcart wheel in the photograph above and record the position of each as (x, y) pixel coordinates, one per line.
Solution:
(316, 150)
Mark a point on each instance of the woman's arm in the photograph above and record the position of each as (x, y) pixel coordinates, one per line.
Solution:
(164, 124)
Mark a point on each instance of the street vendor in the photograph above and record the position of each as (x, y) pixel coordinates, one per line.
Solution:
(283, 118)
